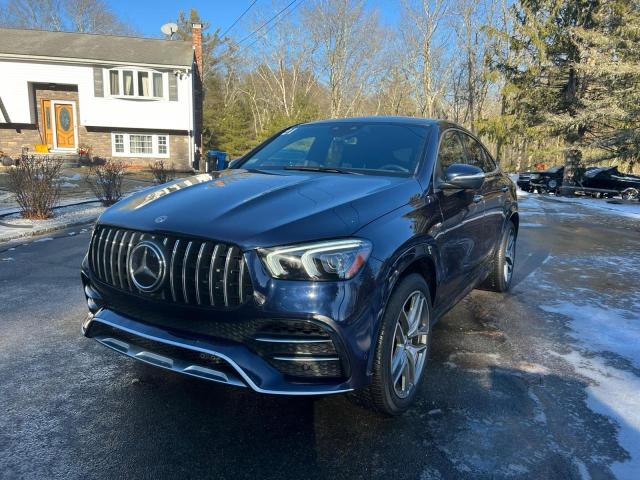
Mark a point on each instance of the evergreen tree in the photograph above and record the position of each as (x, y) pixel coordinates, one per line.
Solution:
(610, 60)
(548, 84)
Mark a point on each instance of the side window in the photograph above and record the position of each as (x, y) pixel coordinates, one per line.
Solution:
(477, 156)
(491, 164)
(451, 151)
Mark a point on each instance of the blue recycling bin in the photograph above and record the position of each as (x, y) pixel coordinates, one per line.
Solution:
(216, 160)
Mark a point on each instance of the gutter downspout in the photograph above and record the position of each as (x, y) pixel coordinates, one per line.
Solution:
(192, 144)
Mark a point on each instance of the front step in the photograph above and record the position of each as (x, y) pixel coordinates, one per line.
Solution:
(69, 160)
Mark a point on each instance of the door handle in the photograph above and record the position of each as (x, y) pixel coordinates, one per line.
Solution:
(505, 189)
(477, 198)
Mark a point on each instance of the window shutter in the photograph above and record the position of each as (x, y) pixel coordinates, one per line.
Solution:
(173, 87)
(98, 82)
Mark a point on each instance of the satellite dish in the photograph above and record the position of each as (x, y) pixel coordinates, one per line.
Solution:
(169, 29)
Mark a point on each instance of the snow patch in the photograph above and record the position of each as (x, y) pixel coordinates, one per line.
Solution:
(602, 329)
(582, 469)
(46, 239)
(531, 225)
(74, 178)
(613, 393)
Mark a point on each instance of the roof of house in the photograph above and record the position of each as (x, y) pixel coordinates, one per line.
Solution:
(93, 48)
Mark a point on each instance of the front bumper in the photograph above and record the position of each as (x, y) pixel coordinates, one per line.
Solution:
(207, 359)
(223, 346)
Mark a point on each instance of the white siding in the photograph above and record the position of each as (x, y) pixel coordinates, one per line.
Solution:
(15, 78)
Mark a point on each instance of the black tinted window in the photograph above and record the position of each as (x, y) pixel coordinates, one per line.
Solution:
(478, 156)
(451, 151)
(366, 147)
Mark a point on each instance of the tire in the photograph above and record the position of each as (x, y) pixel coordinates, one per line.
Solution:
(629, 193)
(500, 276)
(383, 394)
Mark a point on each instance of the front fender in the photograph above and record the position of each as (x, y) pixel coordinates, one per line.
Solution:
(400, 239)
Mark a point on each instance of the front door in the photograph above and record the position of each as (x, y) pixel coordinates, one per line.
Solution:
(65, 135)
(47, 132)
(460, 237)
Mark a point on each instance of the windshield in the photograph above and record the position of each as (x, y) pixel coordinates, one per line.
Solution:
(375, 148)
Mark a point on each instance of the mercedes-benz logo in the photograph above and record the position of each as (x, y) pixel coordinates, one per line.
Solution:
(147, 266)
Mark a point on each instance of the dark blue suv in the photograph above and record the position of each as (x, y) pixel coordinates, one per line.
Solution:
(316, 264)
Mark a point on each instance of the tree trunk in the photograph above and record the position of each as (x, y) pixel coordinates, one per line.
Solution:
(572, 171)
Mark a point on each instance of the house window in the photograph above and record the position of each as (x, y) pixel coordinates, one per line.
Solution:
(114, 82)
(157, 85)
(118, 143)
(140, 145)
(143, 84)
(127, 81)
(136, 83)
(162, 144)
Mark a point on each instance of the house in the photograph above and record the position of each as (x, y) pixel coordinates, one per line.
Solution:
(135, 99)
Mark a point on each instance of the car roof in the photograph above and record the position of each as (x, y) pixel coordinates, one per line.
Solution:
(382, 119)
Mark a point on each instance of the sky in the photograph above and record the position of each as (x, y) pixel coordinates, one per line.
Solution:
(147, 16)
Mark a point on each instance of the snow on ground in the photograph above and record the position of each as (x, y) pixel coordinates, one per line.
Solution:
(630, 209)
(616, 394)
(72, 178)
(64, 217)
(597, 299)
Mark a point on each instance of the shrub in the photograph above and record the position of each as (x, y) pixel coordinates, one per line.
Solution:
(162, 173)
(34, 181)
(105, 181)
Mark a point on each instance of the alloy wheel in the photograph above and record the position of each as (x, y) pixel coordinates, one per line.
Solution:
(509, 256)
(410, 343)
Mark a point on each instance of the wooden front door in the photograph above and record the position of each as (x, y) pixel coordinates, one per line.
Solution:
(64, 125)
(47, 132)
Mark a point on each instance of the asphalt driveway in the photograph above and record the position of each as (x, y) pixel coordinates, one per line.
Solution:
(512, 386)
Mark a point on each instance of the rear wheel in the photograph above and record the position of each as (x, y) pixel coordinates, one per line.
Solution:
(499, 279)
(629, 194)
(402, 349)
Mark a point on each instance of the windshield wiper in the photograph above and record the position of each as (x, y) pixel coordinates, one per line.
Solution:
(308, 168)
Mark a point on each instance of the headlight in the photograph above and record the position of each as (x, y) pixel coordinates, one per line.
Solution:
(328, 260)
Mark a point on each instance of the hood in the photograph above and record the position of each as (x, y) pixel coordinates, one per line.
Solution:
(263, 208)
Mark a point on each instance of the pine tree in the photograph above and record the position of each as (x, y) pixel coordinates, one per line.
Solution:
(610, 60)
(548, 85)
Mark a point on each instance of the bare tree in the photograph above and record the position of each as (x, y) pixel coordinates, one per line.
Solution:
(349, 38)
(470, 24)
(87, 16)
(424, 47)
(284, 76)
(38, 14)
(93, 16)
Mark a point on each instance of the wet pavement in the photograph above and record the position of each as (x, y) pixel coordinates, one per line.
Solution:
(539, 383)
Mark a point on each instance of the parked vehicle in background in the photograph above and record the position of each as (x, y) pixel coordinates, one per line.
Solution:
(548, 181)
(317, 264)
(611, 182)
(524, 181)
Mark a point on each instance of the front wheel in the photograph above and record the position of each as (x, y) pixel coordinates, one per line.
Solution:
(499, 279)
(402, 349)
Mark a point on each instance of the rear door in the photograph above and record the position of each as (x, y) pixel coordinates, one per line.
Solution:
(460, 236)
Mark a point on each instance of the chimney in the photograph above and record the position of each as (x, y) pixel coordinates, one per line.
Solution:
(196, 41)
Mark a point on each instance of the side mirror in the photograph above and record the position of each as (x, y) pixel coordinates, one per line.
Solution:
(461, 176)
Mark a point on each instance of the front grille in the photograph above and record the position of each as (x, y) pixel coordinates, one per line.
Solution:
(199, 272)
